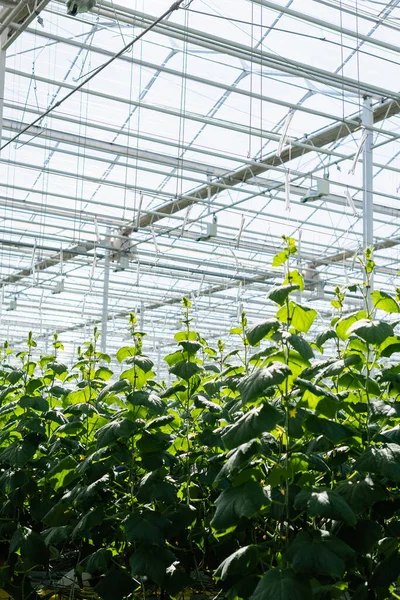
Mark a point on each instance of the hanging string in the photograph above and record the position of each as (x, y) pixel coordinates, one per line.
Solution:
(249, 152)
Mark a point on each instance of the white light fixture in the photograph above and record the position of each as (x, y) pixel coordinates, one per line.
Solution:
(321, 191)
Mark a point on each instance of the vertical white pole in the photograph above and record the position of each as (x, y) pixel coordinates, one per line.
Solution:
(368, 181)
(106, 284)
(2, 79)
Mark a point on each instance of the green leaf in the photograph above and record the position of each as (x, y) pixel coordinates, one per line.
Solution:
(148, 399)
(175, 357)
(116, 585)
(301, 346)
(146, 527)
(251, 425)
(191, 348)
(323, 337)
(240, 563)
(103, 373)
(91, 519)
(318, 552)
(33, 549)
(382, 460)
(114, 431)
(151, 562)
(56, 535)
(299, 317)
(125, 352)
(98, 561)
(344, 323)
(337, 367)
(325, 503)
(280, 293)
(336, 432)
(236, 502)
(385, 302)
(238, 458)
(57, 368)
(35, 402)
(280, 258)
(18, 453)
(185, 370)
(386, 572)
(63, 472)
(258, 332)
(373, 332)
(14, 376)
(141, 361)
(282, 585)
(294, 277)
(117, 387)
(253, 386)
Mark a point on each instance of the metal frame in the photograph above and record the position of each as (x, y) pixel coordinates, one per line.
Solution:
(183, 180)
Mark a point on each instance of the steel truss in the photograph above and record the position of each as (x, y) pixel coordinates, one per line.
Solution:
(104, 212)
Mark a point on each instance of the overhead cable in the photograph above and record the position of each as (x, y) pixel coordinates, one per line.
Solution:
(101, 68)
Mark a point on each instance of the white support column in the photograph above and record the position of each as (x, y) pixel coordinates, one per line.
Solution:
(106, 284)
(368, 180)
(2, 79)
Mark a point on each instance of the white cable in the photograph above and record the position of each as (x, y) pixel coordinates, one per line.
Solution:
(139, 210)
(358, 153)
(33, 263)
(287, 190)
(351, 202)
(155, 240)
(239, 235)
(283, 138)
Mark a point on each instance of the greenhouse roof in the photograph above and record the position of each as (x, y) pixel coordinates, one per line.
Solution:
(225, 126)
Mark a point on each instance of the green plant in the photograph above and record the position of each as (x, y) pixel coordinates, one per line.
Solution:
(265, 473)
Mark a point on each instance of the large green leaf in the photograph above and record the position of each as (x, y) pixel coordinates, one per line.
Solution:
(381, 460)
(185, 369)
(342, 326)
(144, 362)
(361, 494)
(325, 503)
(148, 399)
(63, 472)
(385, 302)
(151, 562)
(322, 338)
(91, 519)
(115, 585)
(34, 549)
(236, 502)
(125, 352)
(282, 585)
(337, 367)
(299, 317)
(18, 453)
(259, 331)
(251, 425)
(318, 552)
(301, 346)
(280, 294)
(386, 572)
(239, 458)
(35, 402)
(114, 431)
(336, 432)
(98, 561)
(373, 332)
(240, 563)
(253, 386)
(146, 527)
(55, 535)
